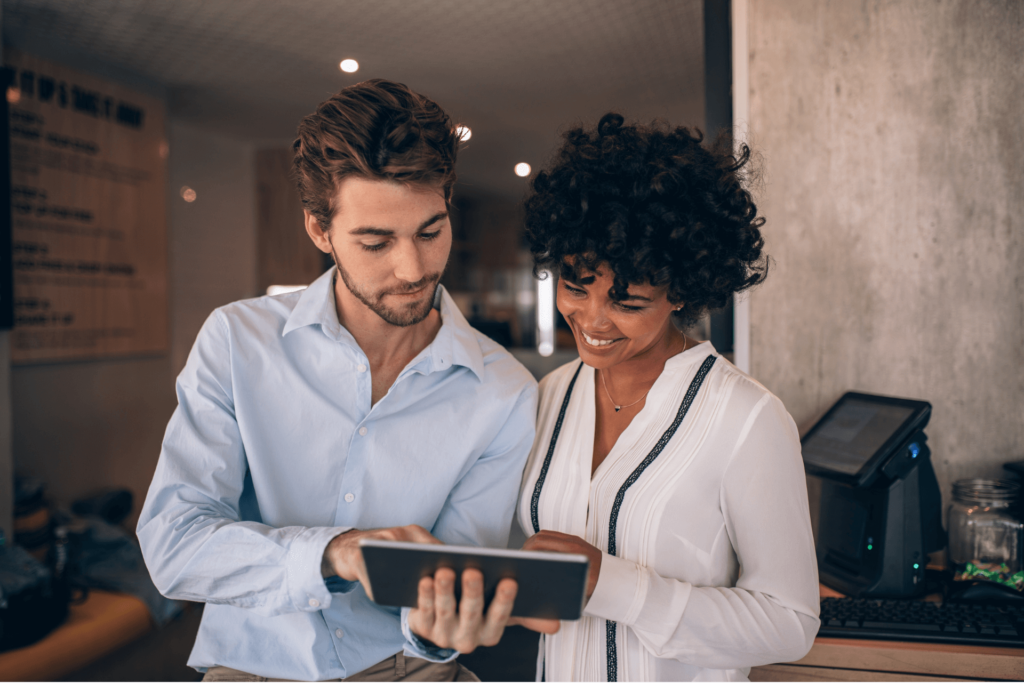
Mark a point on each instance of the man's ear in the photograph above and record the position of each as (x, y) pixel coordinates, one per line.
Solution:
(318, 235)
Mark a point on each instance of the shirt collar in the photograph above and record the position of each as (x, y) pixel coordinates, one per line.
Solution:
(455, 344)
(316, 307)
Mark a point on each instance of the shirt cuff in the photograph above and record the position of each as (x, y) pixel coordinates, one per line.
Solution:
(306, 586)
(620, 591)
(415, 647)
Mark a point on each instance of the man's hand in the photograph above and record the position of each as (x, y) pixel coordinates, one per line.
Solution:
(437, 620)
(555, 541)
(344, 558)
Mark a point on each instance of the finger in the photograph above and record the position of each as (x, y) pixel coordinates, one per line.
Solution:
(417, 534)
(445, 618)
(421, 619)
(548, 626)
(471, 610)
(363, 576)
(498, 613)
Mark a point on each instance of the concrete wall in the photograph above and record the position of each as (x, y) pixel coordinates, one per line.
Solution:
(86, 425)
(894, 193)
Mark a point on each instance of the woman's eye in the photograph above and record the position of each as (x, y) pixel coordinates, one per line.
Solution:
(374, 247)
(629, 309)
(574, 291)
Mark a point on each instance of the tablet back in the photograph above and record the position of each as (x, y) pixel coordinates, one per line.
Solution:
(551, 585)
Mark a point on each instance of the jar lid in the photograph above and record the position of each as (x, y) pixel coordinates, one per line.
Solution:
(986, 491)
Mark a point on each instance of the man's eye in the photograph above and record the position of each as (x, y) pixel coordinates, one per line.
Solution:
(374, 247)
(430, 235)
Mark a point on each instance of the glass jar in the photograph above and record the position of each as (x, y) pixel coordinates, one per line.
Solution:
(986, 539)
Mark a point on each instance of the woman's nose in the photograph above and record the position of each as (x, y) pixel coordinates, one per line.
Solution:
(592, 316)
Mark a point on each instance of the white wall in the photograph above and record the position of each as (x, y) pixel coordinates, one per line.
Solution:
(213, 239)
(81, 426)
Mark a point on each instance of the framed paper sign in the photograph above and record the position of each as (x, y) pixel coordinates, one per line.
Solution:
(89, 218)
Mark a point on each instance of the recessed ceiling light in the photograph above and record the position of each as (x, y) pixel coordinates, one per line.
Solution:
(349, 66)
(523, 169)
(464, 133)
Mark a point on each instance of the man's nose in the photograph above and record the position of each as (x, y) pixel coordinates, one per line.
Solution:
(408, 262)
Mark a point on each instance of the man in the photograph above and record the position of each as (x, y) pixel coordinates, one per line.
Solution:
(363, 406)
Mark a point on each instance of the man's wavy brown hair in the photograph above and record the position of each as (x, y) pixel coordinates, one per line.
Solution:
(378, 130)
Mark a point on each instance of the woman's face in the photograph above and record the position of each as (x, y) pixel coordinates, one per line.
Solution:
(609, 332)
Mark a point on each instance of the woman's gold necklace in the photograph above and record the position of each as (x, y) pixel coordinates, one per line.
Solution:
(604, 381)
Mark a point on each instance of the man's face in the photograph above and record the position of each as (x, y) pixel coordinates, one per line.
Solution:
(390, 242)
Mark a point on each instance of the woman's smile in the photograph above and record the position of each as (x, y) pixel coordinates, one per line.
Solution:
(597, 342)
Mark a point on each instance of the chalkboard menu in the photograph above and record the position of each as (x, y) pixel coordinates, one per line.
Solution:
(89, 219)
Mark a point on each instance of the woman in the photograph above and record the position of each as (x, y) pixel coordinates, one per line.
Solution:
(676, 473)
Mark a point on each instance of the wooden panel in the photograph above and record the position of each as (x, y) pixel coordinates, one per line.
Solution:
(286, 255)
(786, 672)
(95, 628)
(88, 193)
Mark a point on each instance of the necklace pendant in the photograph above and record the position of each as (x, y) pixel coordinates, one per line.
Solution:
(618, 408)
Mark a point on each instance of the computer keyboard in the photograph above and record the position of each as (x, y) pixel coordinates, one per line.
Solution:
(964, 624)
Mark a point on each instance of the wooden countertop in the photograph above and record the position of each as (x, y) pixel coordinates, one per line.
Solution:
(852, 659)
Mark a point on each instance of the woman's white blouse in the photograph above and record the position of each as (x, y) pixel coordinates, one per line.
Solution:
(715, 569)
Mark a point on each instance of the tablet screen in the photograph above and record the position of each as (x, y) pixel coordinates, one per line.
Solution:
(852, 434)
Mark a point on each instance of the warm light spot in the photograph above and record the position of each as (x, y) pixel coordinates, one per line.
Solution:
(274, 290)
(188, 194)
(464, 133)
(545, 313)
(164, 150)
(349, 66)
(523, 169)
(13, 95)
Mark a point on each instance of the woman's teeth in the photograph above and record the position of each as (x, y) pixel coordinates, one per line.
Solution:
(596, 342)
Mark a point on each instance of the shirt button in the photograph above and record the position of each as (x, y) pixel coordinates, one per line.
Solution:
(349, 497)
(362, 431)
(339, 633)
(360, 368)
(313, 602)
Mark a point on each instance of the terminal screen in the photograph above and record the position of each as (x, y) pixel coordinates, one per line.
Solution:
(852, 434)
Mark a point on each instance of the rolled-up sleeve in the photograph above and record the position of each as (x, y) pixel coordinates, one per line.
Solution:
(194, 541)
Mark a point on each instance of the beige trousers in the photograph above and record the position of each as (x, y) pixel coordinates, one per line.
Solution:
(397, 668)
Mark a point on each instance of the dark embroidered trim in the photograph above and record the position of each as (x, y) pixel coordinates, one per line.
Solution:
(610, 633)
(698, 380)
(551, 451)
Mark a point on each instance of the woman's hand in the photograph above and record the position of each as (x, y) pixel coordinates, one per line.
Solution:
(464, 629)
(557, 542)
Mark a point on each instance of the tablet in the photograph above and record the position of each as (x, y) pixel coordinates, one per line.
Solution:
(551, 585)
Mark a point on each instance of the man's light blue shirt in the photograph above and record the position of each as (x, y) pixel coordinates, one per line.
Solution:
(274, 449)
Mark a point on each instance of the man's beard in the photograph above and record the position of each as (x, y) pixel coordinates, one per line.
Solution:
(403, 315)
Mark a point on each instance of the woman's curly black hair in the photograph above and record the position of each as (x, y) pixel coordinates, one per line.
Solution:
(656, 206)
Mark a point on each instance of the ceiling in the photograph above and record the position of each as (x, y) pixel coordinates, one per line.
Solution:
(516, 71)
